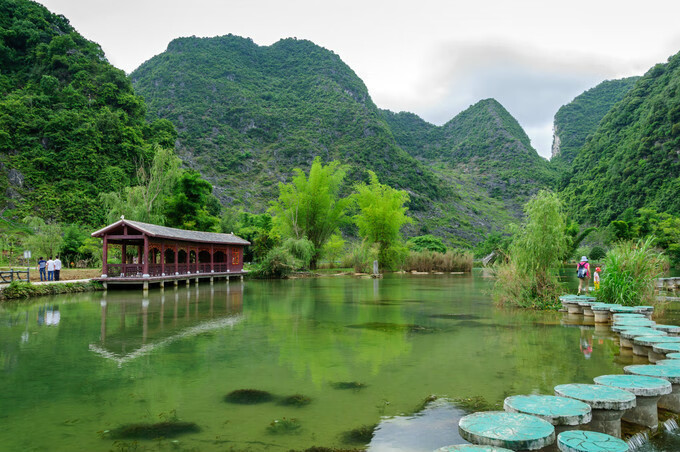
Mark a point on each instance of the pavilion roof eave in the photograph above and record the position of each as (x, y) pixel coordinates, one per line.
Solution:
(165, 232)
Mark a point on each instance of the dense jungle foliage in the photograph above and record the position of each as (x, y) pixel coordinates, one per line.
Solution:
(632, 161)
(71, 125)
(578, 119)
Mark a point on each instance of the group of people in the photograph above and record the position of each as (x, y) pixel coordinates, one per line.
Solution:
(49, 269)
(583, 273)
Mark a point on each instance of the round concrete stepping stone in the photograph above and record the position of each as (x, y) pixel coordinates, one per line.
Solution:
(635, 322)
(671, 329)
(670, 401)
(632, 333)
(637, 384)
(620, 309)
(471, 448)
(666, 348)
(556, 410)
(674, 355)
(670, 373)
(649, 340)
(627, 315)
(642, 345)
(648, 329)
(647, 391)
(598, 396)
(668, 362)
(601, 311)
(514, 431)
(581, 441)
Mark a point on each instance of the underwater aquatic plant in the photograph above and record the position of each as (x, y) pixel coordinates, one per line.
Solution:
(348, 385)
(284, 426)
(362, 434)
(248, 396)
(166, 429)
(296, 400)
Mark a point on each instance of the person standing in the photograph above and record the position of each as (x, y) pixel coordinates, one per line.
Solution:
(50, 269)
(596, 278)
(57, 268)
(41, 267)
(583, 273)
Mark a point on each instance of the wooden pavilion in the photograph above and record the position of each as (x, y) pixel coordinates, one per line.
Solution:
(164, 253)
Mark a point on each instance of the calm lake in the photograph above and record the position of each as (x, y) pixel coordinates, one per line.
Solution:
(366, 352)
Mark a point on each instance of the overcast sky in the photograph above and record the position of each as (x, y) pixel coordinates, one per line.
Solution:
(430, 57)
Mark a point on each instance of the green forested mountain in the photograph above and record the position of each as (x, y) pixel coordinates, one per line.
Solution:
(70, 124)
(247, 115)
(580, 118)
(483, 142)
(632, 161)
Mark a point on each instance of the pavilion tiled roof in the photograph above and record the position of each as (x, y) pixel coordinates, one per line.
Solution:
(154, 230)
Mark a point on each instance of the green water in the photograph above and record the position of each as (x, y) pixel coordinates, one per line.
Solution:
(76, 366)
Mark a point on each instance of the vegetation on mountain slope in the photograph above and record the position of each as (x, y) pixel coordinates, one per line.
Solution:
(580, 118)
(70, 124)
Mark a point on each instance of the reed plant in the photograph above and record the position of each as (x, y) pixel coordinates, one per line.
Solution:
(630, 271)
(427, 261)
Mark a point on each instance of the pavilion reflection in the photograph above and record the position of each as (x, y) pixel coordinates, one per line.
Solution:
(136, 327)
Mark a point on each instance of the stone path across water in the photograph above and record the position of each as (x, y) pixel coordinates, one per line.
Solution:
(514, 431)
(580, 441)
(554, 409)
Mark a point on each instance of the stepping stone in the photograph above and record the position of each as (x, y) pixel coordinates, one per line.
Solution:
(471, 448)
(586, 307)
(635, 322)
(668, 362)
(666, 348)
(608, 404)
(580, 441)
(646, 310)
(572, 306)
(626, 336)
(622, 309)
(514, 431)
(670, 401)
(642, 345)
(647, 391)
(602, 312)
(624, 327)
(674, 355)
(562, 412)
(626, 316)
(673, 330)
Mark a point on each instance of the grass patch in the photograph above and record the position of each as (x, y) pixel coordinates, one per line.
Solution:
(284, 426)
(166, 429)
(359, 435)
(428, 261)
(356, 385)
(248, 396)
(296, 400)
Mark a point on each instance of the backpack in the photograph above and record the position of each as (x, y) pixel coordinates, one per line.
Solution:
(582, 271)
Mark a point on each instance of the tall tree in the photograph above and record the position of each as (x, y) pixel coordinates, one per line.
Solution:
(381, 215)
(192, 204)
(311, 207)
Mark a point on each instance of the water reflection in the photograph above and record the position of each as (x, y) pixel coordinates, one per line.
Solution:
(135, 328)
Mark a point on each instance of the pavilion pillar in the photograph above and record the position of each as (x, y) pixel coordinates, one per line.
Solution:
(212, 259)
(105, 257)
(176, 260)
(197, 264)
(163, 258)
(145, 261)
(188, 259)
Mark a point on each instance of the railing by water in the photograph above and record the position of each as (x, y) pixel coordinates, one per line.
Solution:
(137, 270)
(14, 275)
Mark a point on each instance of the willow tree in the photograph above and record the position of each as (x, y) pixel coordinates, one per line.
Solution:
(382, 213)
(529, 278)
(310, 207)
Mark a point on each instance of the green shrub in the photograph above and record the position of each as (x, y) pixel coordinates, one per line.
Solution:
(630, 271)
(278, 263)
(597, 253)
(426, 242)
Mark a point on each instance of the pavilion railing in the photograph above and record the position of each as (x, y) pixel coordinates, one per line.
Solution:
(137, 270)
